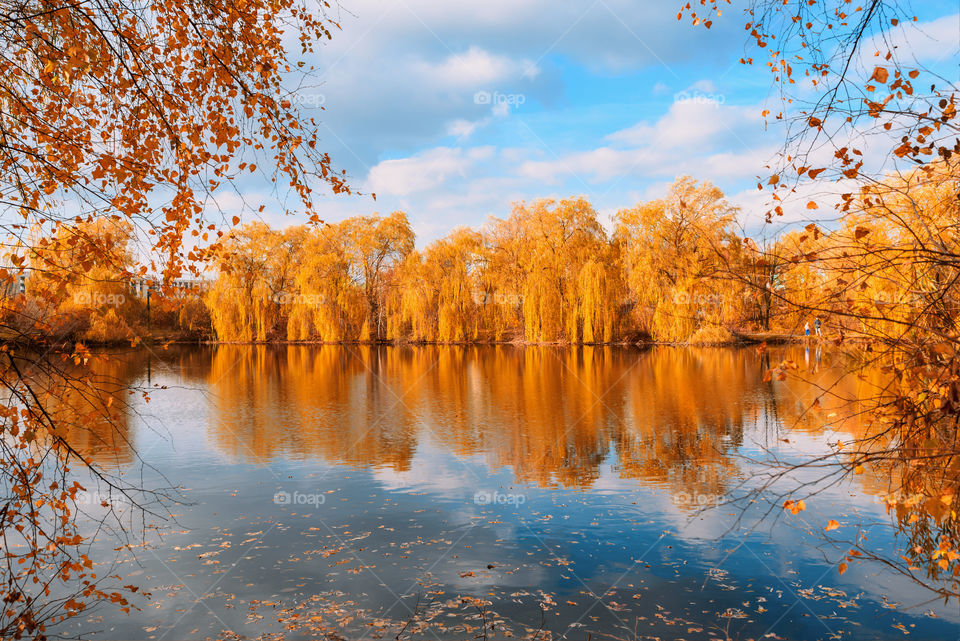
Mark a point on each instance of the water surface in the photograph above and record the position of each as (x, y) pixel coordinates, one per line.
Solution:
(546, 491)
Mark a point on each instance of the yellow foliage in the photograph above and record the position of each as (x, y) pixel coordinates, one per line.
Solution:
(546, 273)
(711, 335)
(678, 254)
(107, 327)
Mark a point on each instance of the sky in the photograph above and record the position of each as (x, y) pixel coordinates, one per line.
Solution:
(453, 111)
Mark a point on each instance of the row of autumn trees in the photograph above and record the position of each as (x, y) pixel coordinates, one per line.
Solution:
(674, 269)
(547, 273)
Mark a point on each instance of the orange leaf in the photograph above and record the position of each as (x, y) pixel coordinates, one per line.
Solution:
(795, 507)
(831, 525)
(880, 74)
(842, 568)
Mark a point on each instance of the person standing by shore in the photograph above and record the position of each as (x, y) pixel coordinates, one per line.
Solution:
(816, 327)
(806, 329)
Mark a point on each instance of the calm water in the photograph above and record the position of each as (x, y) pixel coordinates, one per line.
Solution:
(548, 491)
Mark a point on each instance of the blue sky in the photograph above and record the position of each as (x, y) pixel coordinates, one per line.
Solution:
(453, 111)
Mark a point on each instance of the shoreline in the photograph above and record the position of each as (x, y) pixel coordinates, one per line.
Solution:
(740, 339)
(168, 338)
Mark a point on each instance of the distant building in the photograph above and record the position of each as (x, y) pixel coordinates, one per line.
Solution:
(17, 286)
(141, 286)
(190, 283)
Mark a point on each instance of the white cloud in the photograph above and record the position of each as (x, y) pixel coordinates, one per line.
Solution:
(682, 141)
(705, 85)
(660, 89)
(501, 109)
(475, 68)
(593, 166)
(641, 133)
(444, 187)
(692, 122)
(399, 72)
(464, 128)
(754, 204)
(424, 171)
(927, 42)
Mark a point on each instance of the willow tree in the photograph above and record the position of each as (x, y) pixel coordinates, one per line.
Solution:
(456, 260)
(501, 280)
(252, 272)
(600, 299)
(677, 254)
(439, 295)
(797, 279)
(412, 305)
(538, 254)
(377, 244)
(328, 302)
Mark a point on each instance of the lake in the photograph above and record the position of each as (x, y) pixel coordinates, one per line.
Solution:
(436, 492)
